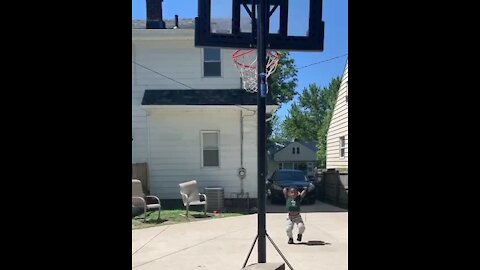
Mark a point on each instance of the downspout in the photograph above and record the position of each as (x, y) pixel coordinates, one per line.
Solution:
(149, 152)
(267, 120)
(242, 170)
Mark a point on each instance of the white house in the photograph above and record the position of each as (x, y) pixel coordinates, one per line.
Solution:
(299, 155)
(337, 135)
(190, 117)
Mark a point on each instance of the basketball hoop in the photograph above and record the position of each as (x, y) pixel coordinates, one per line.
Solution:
(246, 63)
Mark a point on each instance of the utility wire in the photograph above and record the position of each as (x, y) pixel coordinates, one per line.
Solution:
(316, 63)
(162, 74)
(158, 73)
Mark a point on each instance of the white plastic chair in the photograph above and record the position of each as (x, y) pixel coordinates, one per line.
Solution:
(191, 196)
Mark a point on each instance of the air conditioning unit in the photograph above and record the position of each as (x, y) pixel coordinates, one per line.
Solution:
(215, 198)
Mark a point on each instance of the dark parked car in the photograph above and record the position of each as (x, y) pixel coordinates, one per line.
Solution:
(289, 178)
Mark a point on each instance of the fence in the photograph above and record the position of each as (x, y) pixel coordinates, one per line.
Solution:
(140, 172)
(332, 187)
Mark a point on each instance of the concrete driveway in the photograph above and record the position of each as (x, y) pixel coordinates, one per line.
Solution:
(224, 243)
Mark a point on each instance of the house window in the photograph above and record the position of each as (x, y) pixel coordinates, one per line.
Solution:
(346, 97)
(298, 150)
(210, 149)
(212, 65)
(343, 147)
(293, 150)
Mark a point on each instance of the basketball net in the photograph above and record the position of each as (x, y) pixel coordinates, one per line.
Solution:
(246, 63)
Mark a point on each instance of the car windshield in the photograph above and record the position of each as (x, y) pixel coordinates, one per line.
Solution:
(291, 176)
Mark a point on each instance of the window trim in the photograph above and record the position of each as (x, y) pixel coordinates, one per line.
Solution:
(201, 148)
(210, 61)
(346, 96)
(340, 147)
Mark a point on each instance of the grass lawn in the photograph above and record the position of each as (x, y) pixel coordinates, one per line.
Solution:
(168, 217)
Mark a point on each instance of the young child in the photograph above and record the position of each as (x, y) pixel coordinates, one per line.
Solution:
(294, 200)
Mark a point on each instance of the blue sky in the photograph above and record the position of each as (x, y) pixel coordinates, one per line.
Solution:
(335, 16)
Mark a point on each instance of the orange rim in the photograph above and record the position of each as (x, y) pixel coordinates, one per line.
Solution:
(239, 53)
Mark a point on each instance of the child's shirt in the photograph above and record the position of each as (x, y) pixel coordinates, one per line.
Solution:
(293, 205)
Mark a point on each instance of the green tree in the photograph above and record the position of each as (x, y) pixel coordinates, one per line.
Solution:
(277, 132)
(298, 124)
(281, 85)
(283, 81)
(309, 119)
(322, 140)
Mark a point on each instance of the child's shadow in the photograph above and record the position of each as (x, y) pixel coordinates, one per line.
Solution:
(313, 243)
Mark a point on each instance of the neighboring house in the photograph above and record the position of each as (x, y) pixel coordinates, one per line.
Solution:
(337, 135)
(190, 117)
(298, 155)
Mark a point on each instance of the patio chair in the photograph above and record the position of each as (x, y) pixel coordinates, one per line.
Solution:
(138, 197)
(191, 196)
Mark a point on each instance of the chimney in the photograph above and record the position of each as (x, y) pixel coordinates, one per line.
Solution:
(176, 21)
(154, 15)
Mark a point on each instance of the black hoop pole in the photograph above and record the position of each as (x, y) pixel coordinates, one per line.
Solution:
(261, 135)
(279, 252)
(250, 252)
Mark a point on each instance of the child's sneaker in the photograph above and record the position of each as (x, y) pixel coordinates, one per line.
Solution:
(299, 237)
(290, 240)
